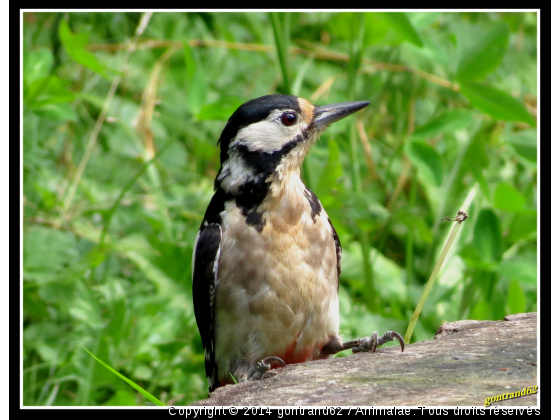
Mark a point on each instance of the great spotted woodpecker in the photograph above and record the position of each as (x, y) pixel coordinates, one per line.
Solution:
(266, 260)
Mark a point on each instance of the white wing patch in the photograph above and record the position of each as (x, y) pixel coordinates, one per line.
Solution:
(215, 269)
(194, 253)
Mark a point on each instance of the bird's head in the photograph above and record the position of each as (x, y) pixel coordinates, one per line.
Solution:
(270, 136)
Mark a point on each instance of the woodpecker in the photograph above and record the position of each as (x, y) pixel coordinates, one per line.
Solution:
(266, 259)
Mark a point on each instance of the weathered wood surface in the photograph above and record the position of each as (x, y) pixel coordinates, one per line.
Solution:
(467, 362)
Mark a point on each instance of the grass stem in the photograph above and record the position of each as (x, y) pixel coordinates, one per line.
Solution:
(461, 216)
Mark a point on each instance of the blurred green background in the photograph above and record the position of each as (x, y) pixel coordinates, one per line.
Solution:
(108, 229)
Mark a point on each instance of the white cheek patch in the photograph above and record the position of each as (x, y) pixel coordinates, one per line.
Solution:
(267, 136)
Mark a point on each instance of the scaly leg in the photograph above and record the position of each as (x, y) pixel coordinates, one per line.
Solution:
(362, 344)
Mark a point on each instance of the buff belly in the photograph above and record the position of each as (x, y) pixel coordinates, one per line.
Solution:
(277, 294)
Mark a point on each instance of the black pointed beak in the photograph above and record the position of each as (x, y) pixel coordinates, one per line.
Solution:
(325, 115)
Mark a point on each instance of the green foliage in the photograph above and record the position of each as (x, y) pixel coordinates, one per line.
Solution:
(485, 55)
(451, 126)
(496, 103)
(400, 23)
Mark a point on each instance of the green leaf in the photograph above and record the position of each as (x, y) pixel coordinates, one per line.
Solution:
(220, 110)
(400, 23)
(37, 65)
(47, 251)
(496, 103)
(143, 371)
(488, 236)
(427, 160)
(333, 171)
(361, 209)
(423, 19)
(516, 298)
(128, 381)
(484, 56)
(47, 90)
(476, 156)
(197, 91)
(391, 276)
(190, 63)
(524, 143)
(523, 225)
(521, 268)
(375, 28)
(75, 45)
(56, 112)
(506, 197)
(481, 311)
(482, 182)
(121, 398)
(449, 121)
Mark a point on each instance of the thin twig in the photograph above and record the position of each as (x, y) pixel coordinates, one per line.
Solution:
(367, 148)
(325, 87)
(145, 115)
(151, 44)
(143, 123)
(320, 53)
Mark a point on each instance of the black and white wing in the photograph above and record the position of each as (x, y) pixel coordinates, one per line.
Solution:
(206, 255)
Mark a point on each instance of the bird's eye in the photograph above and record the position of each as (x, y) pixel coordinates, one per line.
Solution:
(289, 118)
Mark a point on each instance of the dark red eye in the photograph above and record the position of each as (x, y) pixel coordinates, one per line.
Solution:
(289, 118)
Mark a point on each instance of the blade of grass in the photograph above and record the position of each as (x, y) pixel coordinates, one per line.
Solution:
(87, 376)
(410, 236)
(281, 32)
(296, 88)
(461, 216)
(128, 381)
(445, 194)
(356, 51)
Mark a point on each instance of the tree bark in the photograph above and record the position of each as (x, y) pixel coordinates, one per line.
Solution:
(466, 363)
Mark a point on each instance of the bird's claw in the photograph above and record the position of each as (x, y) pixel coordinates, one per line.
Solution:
(264, 366)
(371, 343)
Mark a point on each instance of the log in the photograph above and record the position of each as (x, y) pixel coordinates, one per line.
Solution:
(466, 363)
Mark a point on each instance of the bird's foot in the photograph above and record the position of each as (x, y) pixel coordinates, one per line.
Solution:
(264, 366)
(371, 343)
